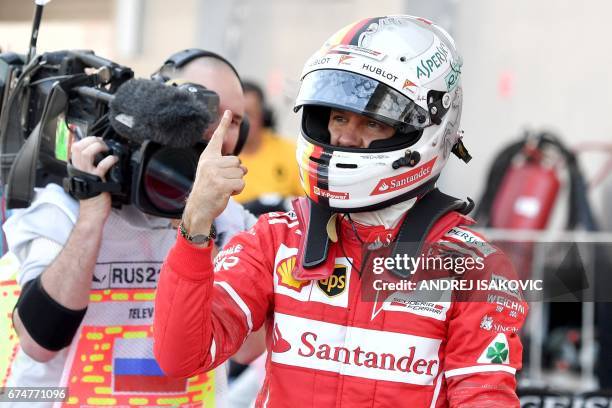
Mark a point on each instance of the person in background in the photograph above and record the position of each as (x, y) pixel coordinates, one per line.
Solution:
(273, 176)
(84, 318)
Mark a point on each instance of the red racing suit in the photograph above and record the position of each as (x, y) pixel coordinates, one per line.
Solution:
(328, 345)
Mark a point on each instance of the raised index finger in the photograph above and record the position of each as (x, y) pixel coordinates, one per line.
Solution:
(215, 144)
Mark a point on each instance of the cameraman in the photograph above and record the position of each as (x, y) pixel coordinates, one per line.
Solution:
(68, 249)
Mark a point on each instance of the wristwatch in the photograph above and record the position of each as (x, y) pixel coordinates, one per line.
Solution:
(198, 238)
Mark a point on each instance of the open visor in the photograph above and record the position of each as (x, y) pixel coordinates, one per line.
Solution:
(360, 94)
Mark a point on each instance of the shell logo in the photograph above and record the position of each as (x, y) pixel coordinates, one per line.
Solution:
(285, 277)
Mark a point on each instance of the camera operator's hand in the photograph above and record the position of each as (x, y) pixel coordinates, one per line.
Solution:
(217, 178)
(83, 155)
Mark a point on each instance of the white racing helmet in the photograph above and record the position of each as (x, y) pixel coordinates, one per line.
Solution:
(403, 71)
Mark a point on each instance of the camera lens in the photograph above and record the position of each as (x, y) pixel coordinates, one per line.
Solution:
(168, 177)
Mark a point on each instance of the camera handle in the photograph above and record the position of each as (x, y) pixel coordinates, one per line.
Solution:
(82, 185)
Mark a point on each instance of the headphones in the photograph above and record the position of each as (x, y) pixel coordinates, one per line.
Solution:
(180, 59)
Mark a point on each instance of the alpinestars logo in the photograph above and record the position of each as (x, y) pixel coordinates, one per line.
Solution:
(403, 180)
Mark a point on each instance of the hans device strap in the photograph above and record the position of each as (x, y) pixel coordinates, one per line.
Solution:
(317, 241)
(412, 233)
(82, 185)
(420, 219)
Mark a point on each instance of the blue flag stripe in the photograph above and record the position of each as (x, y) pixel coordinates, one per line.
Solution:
(137, 366)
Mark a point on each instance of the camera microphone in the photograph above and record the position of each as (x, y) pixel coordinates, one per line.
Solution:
(174, 116)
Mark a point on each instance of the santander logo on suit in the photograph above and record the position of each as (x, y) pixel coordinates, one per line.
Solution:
(354, 351)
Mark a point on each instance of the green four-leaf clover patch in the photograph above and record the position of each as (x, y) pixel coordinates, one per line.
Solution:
(498, 354)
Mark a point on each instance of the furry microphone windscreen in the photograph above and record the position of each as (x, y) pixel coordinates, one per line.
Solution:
(143, 109)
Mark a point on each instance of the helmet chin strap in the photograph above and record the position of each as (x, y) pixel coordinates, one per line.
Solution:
(420, 220)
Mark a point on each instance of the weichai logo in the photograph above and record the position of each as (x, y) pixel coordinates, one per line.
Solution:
(361, 357)
(406, 179)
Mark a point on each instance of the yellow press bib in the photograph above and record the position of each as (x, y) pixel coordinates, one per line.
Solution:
(111, 360)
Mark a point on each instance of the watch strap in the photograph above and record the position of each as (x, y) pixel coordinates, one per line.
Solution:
(198, 238)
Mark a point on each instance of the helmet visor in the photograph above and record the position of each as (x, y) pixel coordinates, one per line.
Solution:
(363, 95)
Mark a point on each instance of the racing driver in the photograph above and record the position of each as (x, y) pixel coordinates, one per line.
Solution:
(381, 105)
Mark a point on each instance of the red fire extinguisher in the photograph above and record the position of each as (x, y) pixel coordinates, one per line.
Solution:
(523, 185)
(527, 193)
(522, 191)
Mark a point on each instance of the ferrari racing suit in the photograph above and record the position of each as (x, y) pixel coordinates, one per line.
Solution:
(329, 344)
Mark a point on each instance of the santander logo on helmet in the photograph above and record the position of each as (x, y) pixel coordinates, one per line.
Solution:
(402, 71)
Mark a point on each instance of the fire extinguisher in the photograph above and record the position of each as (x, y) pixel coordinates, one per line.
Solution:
(527, 192)
(523, 186)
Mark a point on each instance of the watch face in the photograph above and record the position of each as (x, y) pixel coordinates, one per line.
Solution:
(199, 239)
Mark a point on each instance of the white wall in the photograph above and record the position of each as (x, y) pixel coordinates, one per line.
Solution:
(527, 64)
(555, 58)
(280, 35)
